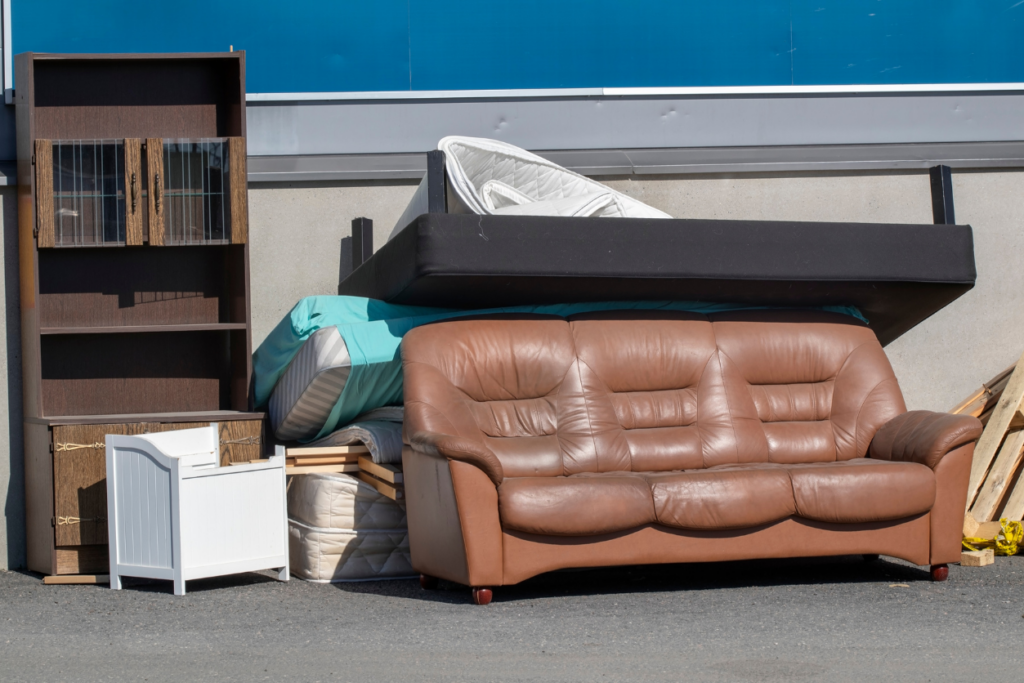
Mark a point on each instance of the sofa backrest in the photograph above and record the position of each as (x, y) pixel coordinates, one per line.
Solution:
(651, 390)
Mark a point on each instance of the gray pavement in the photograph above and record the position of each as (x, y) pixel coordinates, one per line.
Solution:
(835, 619)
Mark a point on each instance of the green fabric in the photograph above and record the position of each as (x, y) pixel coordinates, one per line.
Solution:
(373, 332)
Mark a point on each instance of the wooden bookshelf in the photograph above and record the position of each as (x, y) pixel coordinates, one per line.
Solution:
(134, 266)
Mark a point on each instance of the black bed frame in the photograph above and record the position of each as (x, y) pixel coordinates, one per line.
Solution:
(896, 274)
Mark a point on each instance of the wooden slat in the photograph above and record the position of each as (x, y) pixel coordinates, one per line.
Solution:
(73, 579)
(384, 488)
(312, 469)
(44, 194)
(155, 180)
(300, 452)
(239, 191)
(984, 397)
(998, 480)
(1014, 507)
(388, 473)
(988, 444)
(350, 459)
(134, 204)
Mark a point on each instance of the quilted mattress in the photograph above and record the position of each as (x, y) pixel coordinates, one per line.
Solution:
(341, 529)
(496, 178)
(303, 398)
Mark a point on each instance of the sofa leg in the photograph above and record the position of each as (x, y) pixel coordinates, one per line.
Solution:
(482, 596)
(428, 583)
(940, 572)
(871, 557)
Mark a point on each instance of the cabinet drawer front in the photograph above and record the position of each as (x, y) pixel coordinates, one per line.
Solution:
(80, 482)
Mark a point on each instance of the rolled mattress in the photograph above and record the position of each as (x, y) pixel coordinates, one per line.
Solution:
(341, 529)
(306, 394)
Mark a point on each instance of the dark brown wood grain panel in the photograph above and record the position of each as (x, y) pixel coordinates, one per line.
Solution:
(80, 482)
(240, 441)
(39, 498)
(84, 559)
(101, 122)
(44, 193)
(239, 191)
(134, 203)
(155, 199)
(139, 286)
(91, 374)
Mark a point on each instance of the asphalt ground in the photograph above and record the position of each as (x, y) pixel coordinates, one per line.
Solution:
(832, 619)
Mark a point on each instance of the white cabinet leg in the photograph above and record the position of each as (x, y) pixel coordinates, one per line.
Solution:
(282, 574)
(179, 586)
(115, 581)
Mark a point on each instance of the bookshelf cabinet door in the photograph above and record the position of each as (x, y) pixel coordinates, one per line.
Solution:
(155, 177)
(44, 193)
(80, 482)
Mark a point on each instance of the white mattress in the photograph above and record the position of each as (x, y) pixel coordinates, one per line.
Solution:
(495, 178)
(306, 393)
(341, 529)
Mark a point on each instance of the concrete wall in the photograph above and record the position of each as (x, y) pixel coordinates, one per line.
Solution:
(300, 245)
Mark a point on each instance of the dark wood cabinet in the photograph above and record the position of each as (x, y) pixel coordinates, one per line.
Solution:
(134, 261)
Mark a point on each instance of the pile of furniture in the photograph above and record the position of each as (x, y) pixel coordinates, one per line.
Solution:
(996, 489)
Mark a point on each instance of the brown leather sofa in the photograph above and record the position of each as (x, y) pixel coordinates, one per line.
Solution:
(638, 437)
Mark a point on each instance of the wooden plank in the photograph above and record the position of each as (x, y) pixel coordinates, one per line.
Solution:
(80, 483)
(981, 403)
(384, 488)
(300, 452)
(977, 558)
(389, 473)
(350, 459)
(998, 480)
(133, 205)
(970, 529)
(312, 469)
(155, 181)
(1013, 509)
(239, 191)
(44, 194)
(988, 444)
(72, 579)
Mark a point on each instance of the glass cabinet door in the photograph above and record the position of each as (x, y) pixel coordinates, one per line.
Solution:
(196, 183)
(123, 192)
(88, 193)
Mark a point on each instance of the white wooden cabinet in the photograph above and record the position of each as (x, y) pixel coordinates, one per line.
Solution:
(174, 513)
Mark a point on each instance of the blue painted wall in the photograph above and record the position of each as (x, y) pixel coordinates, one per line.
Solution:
(348, 45)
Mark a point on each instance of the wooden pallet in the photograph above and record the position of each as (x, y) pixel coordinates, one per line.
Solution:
(996, 489)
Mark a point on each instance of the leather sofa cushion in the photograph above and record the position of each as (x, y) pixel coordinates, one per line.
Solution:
(727, 497)
(862, 490)
(580, 505)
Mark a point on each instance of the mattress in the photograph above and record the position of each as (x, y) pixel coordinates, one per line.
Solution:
(305, 395)
(341, 529)
(896, 275)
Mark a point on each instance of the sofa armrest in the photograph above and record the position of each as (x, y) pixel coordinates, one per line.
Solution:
(923, 436)
(460, 448)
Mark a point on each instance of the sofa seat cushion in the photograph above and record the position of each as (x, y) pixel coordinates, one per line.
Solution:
(725, 497)
(862, 490)
(578, 505)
